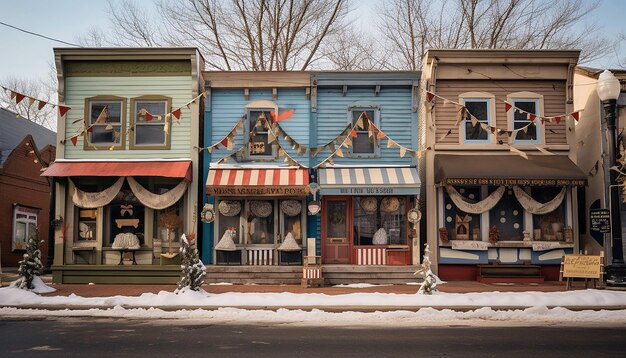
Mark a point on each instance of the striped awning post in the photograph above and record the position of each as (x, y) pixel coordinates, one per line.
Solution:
(369, 181)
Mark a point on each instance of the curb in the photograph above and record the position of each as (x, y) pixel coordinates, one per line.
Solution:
(334, 309)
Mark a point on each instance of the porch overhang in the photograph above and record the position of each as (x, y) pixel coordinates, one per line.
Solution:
(168, 169)
(537, 170)
(257, 182)
(369, 181)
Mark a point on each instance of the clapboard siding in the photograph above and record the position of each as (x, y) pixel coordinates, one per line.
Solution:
(553, 95)
(179, 88)
(396, 120)
(227, 107)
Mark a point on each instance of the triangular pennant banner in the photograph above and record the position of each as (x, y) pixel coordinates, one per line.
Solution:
(339, 152)
(224, 142)
(19, 97)
(390, 143)
(402, 152)
(108, 127)
(576, 116)
(380, 135)
(41, 104)
(90, 129)
(430, 96)
(63, 110)
(507, 106)
(176, 113)
(353, 133)
(31, 100)
(103, 116)
(557, 119)
(148, 116)
(74, 140)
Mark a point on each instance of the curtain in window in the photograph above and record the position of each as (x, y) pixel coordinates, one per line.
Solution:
(156, 201)
(87, 200)
(534, 207)
(475, 208)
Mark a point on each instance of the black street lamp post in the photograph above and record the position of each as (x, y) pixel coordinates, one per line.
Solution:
(608, 90)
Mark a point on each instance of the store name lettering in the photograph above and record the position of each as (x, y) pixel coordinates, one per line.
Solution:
(549, 182)
(238, 191)
(366, 190)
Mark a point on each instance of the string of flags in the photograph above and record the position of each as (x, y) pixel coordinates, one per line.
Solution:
(19, 97)
(464, 113)
(104, 116)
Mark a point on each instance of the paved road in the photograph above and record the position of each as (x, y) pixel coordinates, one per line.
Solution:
(92, 337)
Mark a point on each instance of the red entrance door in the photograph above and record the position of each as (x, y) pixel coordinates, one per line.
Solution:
(336, 230)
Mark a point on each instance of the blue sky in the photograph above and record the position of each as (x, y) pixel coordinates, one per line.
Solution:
(31, 57)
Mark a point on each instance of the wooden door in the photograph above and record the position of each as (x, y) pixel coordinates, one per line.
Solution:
(336, 230)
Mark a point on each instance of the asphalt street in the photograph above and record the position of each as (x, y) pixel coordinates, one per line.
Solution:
(94, 337)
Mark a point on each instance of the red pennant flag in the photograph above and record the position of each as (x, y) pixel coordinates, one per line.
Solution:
(13, 94)
(176, 113)
(507, 106)
(576, 116)
(282, 116)
(224, 142)
(41, 104)
(89, 129)
(380, 135)
(18, 97)
(74, 140)
(430, 96)
(149, 117)
(63, 110)
(532, 117)
(543, 120)
(557, 119)
(353, 134)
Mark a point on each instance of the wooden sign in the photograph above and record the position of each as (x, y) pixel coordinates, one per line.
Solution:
(582, 266)
(257, 190)
(257, 147)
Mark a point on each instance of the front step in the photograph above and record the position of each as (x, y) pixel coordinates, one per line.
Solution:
(332, 274)
(500, 273)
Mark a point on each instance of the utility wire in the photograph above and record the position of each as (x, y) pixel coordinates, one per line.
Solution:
(40, 35)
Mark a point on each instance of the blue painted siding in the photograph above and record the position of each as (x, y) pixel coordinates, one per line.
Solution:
(228, 107)
(397, 120)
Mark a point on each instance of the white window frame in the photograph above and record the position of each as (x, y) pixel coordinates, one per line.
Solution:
(20, 210)
(120, 124)
(376, 120)
(491, 116)
(539, 109)
(160, 123)
(259, 105)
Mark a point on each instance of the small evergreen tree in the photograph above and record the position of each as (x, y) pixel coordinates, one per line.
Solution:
(193, 270)
(31, 265)
(429, 285)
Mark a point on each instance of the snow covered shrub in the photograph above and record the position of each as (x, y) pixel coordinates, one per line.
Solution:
(31, 265)
(193, 269)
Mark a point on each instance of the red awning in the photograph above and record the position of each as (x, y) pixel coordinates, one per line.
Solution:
(245, 182)
(168, 169)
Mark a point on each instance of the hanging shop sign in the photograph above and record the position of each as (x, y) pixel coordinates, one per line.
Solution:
(257, 190)
(257, 147)
(600, 220)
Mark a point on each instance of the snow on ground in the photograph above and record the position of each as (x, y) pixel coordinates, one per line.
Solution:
(358, 285)
(424, 317)
(38, 284)
(411, 309)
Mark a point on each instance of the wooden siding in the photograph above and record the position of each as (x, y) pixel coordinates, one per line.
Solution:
(396, 120)
(553, 95)
(227, 107)
(179, 88)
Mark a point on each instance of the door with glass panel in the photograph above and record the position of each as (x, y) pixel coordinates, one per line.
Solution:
(336, 231)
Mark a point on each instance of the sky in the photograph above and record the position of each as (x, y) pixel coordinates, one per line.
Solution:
(27, 56)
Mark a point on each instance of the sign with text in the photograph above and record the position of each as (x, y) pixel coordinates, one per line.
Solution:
(257, 190)
(257, 147)
(370, 190)
(582, 266)
(600, 220)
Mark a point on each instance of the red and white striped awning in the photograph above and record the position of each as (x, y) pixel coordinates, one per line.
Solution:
(262, 182)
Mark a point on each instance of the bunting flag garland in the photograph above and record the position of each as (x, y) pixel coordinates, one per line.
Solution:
(353, 133)
(282, 116)
(576, 115)
(18, 97)
(176, 113)
(507, 106)
(430, 96)
(74, 140)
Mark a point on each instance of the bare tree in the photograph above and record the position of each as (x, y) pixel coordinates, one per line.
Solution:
(352, 50)
(410, 27)
(38, 89)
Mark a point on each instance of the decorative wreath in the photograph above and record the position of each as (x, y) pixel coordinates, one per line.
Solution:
(261, 208)
(291, 207)
(369, 204)
(390, 204)
(229, 207)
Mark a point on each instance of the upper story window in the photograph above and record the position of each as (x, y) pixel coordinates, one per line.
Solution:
(364, 144)
(480, 108)
(520, 120)
(258, 126)
(24, 226)
(106, 119)
(149, 123)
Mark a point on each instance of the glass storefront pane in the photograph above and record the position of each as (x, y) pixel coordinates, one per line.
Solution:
(507, 216)
(549, 226)
(336, 223)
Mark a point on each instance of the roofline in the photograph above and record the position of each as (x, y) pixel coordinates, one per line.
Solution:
(505, 55)
(593, 72)
(82, 53)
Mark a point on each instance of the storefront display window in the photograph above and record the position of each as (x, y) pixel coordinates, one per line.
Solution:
(291, 218)
(459, 224)
(24, 225)
(124, 212)
(548, 227)
(229, 214)
(260, 218)
(379, 221)
(507, 216)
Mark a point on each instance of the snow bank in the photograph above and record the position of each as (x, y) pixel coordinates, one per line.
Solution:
(38, 284)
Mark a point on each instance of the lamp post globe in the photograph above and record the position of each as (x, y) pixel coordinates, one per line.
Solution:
(609, 89)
